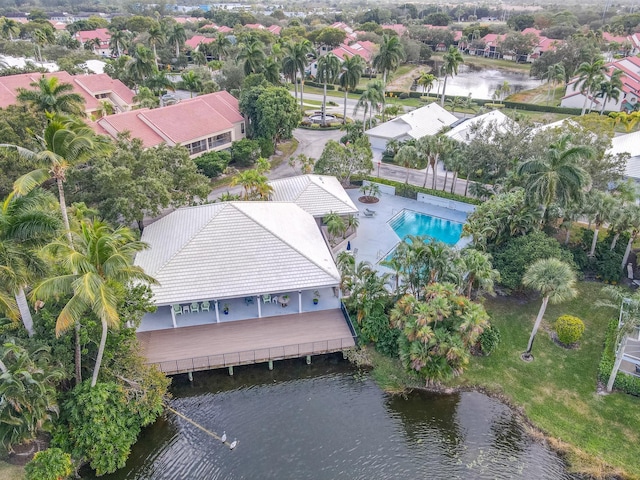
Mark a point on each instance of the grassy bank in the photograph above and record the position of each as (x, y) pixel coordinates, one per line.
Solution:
(557, 391)
(490, 63)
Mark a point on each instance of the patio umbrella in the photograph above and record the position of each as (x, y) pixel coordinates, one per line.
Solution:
(348, 245)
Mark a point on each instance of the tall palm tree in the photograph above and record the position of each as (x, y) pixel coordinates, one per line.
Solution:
(430, 149)
(98, 265)
(600, 207)
(10, 28)
(177, 36)
(221, 46)
(610, 89)
(407, 157)
(328, 69)
(370, 100)
(452, 60)
(389, 56)
(554, 74)
(27, 223)
(191, 82)
(479, 271)
(588, 74)
(119, 41)
(40, 38)
(156, 37)
(271, 71)
(296, 55)
(199, 58)
(52, 96)
(142, 63)
(557, 176)
(426, 81)
(555, 280)
(252, 53)
(65, 143)
(628, 120)
(351, 71)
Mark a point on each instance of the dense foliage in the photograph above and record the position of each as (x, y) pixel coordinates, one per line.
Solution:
(49, 464)
(569, 329)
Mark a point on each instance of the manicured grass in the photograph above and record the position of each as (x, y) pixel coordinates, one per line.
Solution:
(539, 95)
(490, 63)
(11, 472)
(557, 391)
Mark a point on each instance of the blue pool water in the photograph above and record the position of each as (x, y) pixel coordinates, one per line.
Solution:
(408, 222)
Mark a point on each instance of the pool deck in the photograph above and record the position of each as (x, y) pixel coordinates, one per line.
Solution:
(376, 238)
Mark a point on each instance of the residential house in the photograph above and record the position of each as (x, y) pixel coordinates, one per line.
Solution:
(238, 283)
(100, 35)
(491, 46)
(194, 42)
(464, 131)
(628, 101)
(544, 44)
(93, 89)
(205, 123)
(275, 29)
(427, 120)
(628, 144)
(396, 27)
(364, 49)
(351, 35)
(457, 37)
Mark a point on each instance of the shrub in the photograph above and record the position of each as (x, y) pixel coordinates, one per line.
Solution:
(403, 96)
(495, 106)
(411, 191)
(569, 329)
(50, 464)
(489, 340)
(245, 152)
(213, 164)
(266, 147)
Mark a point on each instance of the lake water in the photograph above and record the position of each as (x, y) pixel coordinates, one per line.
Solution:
(482, 83)
(330, 421)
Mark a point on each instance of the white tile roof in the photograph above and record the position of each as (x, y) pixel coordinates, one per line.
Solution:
(235, 249)
(315, 194)
(463, 132)
(629, 143)
(427, 120)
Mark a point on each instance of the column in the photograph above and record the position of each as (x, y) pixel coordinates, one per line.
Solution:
(259, 309)
(299, 301)
(215, 303)
(173, 316)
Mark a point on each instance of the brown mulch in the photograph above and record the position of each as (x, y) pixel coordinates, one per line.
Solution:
(368, 199)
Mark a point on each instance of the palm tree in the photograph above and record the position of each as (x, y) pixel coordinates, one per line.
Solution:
(370, 100)
(40, 37)
(65, 143)
(296, 56)
(480, 273)
(98, 265)
(52, 96)
(328, 68)
(145, 98)
(554, 74)
(600, 207)
(555, 280)
(629, 120)
(556, 176)
(452, 60)
(271, 71)
(199, 58)
(426, 81)
(119, 41)
(252, 53)
(10, 28)
(431, 148)
(407, 157)
(633, 219)
(177, 36)
(159, 82)
(610, 89)
(27, 223)
(191, 82)
(588, 73)
(390, 55)
(221, 46)
(335, 224)
(156, 37)
(142, 63)
(350, 73)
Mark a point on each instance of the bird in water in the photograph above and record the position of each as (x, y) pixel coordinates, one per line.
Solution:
(233, 444)
(223, 438)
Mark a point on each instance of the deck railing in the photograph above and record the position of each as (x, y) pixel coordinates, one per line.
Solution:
(347, 318)
(260, 355)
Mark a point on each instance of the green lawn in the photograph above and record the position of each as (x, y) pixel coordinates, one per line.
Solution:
(11, 472)
(557, 391)
(490, 62)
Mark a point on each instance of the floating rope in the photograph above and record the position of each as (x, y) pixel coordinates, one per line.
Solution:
(195, 424)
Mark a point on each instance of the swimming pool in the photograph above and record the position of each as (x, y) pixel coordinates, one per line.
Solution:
(408, 222)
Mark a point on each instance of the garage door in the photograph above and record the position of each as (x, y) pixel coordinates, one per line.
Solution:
(378, 143)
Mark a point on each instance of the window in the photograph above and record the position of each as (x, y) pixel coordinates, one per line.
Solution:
(242, 127)
(219, 140)
(197, 147)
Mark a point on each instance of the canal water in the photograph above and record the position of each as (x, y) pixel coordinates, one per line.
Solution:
(329, 421)
(481, 83)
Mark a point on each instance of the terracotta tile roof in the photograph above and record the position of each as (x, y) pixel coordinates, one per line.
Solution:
(103, 83)
(255, 26)
(223, 102)
(614, 38)
(196, 40)
(275, 29)
(131, 122)
(225, 29)
(101, 34)
(396, 27)
(183, 20)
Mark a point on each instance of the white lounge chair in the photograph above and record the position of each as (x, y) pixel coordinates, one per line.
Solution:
(177, 309)
(195, 308)
(266, 299)
(205, 306)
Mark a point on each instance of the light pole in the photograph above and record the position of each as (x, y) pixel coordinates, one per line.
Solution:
(379, 162)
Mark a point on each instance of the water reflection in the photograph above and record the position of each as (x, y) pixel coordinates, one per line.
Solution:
(325, 422)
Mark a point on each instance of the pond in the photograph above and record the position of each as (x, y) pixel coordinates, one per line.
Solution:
(328, 421)
(482, 82)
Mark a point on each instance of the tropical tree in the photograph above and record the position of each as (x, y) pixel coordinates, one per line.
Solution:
(328, 68)
(628, 120)
(610, 89)
(555, 280)
(40, 38)
(9, 28)
(191, 81)
(407, 157)
(221, 46)
(155, 37)
(254, 182)
(557, 176)
(366, 289)
(589, 74)
(350, 72)
(142, 63)
(426, 81)
(27, 223)
(159, 82)
(371, 100)
(145, 98)
(177, 36)
(335, 225)
(479, 272)
(271, 71)
(252, 54)
(28, 395)
(296, 56)
(98, 265)
(52, 96)
(119, 41)
(555, 74)
(600, 207)
(430, 149)
(633, 219)
(389, 56)
(451, 61)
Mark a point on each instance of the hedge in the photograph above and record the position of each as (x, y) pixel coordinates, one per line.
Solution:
(411, 191)
(311, 83)
(625, 383)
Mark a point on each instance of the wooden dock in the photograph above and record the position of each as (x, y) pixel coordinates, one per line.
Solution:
(243, 342)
